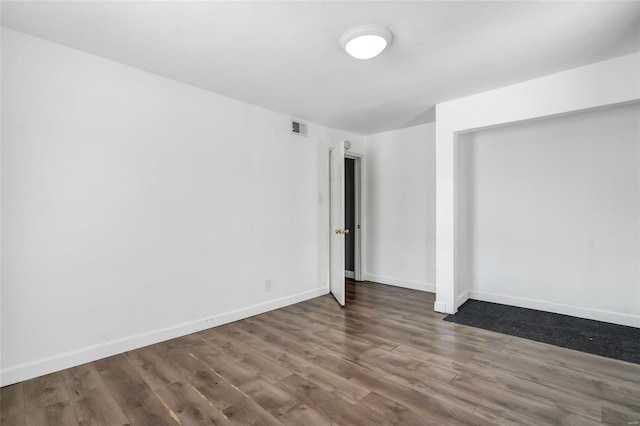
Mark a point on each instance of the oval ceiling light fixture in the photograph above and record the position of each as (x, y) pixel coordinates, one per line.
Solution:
(365, 41)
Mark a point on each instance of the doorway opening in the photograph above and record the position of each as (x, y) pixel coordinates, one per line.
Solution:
(352, 216)
(349, 217)
(338, 229)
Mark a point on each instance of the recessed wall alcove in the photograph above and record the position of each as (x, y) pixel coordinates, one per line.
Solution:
(606, 84)
(548, 212)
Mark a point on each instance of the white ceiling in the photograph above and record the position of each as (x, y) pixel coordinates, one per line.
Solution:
(286, 56)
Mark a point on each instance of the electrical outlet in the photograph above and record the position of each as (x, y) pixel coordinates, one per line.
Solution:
(267, 285)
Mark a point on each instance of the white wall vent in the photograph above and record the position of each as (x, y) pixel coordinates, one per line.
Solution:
(298, 128)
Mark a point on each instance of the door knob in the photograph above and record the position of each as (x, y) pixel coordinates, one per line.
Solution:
(341, 231)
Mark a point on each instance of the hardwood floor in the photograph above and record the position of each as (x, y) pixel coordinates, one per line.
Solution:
(386, 358)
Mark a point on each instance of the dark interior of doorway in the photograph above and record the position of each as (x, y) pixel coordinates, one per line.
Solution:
(349, 213)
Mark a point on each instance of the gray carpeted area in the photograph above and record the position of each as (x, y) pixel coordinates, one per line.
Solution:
(595, 337)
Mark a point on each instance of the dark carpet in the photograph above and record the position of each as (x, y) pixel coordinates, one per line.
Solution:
(594, 337)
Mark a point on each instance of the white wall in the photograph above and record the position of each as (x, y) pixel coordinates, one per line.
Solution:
(593, 86)
(137, 209)
(554, 214)
(400, 207)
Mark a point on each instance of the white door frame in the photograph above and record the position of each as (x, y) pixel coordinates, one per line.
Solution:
(358, 232)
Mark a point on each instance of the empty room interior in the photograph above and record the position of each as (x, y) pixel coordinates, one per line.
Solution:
(320, 213)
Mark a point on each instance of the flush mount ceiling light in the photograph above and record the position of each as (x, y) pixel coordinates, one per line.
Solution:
(365, 41)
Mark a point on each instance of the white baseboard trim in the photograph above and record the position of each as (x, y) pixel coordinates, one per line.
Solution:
(414, 285)
(462, 298)
(349, 274)
(558, 308)
(69, 359)
(440, 307)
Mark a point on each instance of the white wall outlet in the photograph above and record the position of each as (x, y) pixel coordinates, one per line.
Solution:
(267, 285)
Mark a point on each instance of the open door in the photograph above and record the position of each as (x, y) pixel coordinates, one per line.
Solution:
(337, 223)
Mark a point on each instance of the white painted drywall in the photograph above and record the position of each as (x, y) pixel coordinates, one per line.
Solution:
(137, 208)
(604, 83)
(463, 213)
(554, 213)
(400, 207)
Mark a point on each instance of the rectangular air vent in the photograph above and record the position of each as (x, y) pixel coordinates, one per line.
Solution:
(298, 128)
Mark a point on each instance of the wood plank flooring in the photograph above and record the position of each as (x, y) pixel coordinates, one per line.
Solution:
(386, 358)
